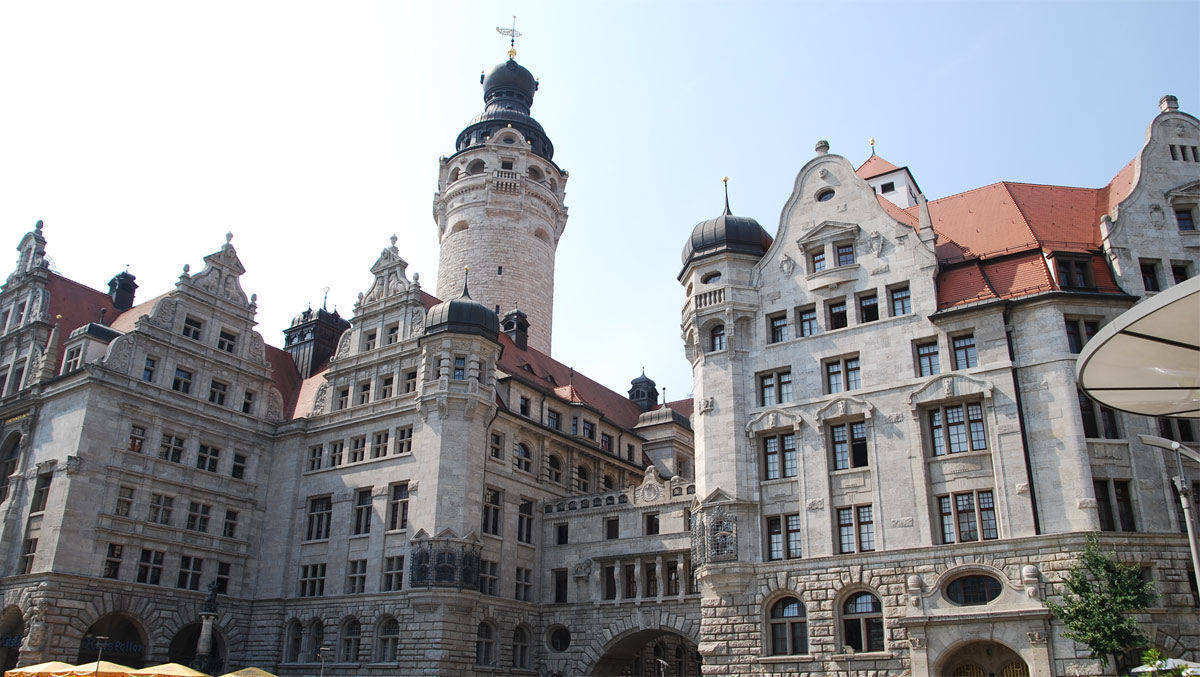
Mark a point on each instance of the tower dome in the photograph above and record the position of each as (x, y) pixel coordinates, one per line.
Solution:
(726, 233)
(508, 94)
(510, 84)
(463, 316)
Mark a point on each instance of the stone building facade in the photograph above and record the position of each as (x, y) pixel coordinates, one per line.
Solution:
(886, 467)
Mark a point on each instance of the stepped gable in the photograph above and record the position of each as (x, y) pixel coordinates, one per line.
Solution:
(874, 166)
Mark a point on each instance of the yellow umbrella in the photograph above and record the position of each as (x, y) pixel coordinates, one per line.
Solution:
(100, 669)
(45, 669)
(249, 672)
(169, 670)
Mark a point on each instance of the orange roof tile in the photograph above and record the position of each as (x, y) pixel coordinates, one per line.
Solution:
(874, 166)
(77, 303)
(963, 284)
(125, 321)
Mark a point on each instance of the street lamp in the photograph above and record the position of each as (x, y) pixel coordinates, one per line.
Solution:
(1181, 486)
(100, 641)
(322, 652)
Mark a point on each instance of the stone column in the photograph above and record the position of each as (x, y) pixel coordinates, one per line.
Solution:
(619, 574)
(659, 574)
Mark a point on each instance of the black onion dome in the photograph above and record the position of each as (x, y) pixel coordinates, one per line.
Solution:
(508, 93)
(463, 316)
(726, 233)
(510, 80)
(643, 380)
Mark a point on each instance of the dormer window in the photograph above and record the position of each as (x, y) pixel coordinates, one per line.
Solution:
(1075, 273)
(889, 187)
(73, 359)
(845, 254)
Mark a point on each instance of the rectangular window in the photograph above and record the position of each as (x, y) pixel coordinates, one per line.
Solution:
(161, 507)
(837, 314)
(150, 566)
(183, 381)
(190, 569)
(1122, 516)
(856, 529)
(525, 521)
(928, 359)
(778, 326)
(964, 351)
(112, 561)
(1185, 220)
(817, 261)
(148, 369)
(901, 301)
(610, 581)
(336, 448)
(392, 334)
(316, 454)
(842, 375)
(489, 577)
(888, 187)
(18, 377)
(398, 507)
(524, 585)
(223, 576)
(968, 516)
(574, 425)
(312, 580)
(630, 581)
(137, 438)
(845, 254)
(560, 586)
(320, 509)
(612, 528)
(561, 534)
(379, 443)
(193, 328)
(554, 419)
(386, 384)
(356, 576)
(1150, 276)
(343, 399)
(650, 571)
(208, 458)
(1079, 332)
(606, 442)
(524, 406)
(41, 491)
(358, 448)
(229, 527)
(393, 573)
(492, 504)
(364, 392)
(1074, 273)
(783, 537)
(369, 338)
(806, 320)
(362, 512)
(868, 308)
(651, 522)
(197, 516)
(124, 501)
(1098, 420)
(72, 360)
(404, 436)
(775, 388)
(779, 456)
(226, 340)
(460, 369)
(1180, 272)
(410, 382)
(1177, 429)
(237, 470)
(849, 445)
(589, 429)
(957, 428)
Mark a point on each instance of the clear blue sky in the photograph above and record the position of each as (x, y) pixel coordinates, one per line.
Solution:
(141, 132)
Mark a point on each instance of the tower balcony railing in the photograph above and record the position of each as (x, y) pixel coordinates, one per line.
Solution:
(503, 180)
(705, 299)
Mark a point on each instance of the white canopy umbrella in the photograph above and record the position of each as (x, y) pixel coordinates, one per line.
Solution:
(1147, 360)
(1169, 664)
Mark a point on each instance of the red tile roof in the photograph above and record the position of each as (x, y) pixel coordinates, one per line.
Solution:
(875, 166)
(77, 303)
(682, 407)
(286, 377)
(125, 321)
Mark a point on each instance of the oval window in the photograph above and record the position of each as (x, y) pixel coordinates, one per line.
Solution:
(711, 278)
(973, 589)
(825, 195)
(560, 639)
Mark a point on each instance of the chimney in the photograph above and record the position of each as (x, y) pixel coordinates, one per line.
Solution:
(1169, 103)
(121, 289)
(516, 325)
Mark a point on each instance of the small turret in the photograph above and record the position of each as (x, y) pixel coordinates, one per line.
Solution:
(121, 289)
(516, 325)
(643, 392)
(312, 339)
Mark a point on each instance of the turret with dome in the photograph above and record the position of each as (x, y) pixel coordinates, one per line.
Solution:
(726, 233)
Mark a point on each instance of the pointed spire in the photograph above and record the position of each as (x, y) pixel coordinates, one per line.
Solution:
(465, 294)
(725, 180)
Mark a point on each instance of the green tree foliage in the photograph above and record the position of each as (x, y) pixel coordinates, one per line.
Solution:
(1153, 658)
(1098, 606)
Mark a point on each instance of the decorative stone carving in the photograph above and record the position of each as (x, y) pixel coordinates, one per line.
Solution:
(35, 636)
(773, 419)
(913, 586)
(343, 348)
(948, 386)
(815, 505)
(582, 569)
(274, 405)
(846, 406)
(786, 265)
(164, 313)
(321, 399)
(704, 406)
(916, 642)
(73, 465)
(1030, 579)
(1037, 638)
(257, 349)
(120, 354)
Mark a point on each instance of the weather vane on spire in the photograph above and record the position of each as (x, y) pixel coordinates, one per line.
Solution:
(512, 34)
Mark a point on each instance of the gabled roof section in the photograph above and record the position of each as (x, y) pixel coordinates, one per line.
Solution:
(126, 320)
(683, 407)
(286, 378)
(78, 304)
(874, 166)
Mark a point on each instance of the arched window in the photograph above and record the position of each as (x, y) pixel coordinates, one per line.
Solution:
(609, 482)
(476, 167)
(453, 175)
(717, 338)
(554, 469)
(535, 173)
(8, 462)
(523, 459)
(351, 641)
(316, 638)
(520, 649)
(458, 227)
(789, 628)
(387, 637)
(485, 644)
(294, 638)
(973, 589)
(582, 483)
(862, 623)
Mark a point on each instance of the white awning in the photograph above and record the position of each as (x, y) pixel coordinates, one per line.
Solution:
(1147, 360)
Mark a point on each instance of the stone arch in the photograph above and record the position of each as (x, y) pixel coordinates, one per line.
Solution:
(12, 633)
(453, 175)
(991, 655)
(183, 645)
(128, 643)
(292, 650)
(624, 630)
(843, 595)
(476, 167)
(459, 227)
(535, 173)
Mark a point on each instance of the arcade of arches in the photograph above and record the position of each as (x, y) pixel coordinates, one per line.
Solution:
(984, 659)
(650, 653)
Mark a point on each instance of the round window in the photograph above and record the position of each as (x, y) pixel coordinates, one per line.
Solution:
(973, 589)
(560, 638)
(825, 195)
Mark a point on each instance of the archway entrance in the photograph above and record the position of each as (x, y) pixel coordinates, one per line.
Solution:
(650, 653)
(115, 638)
(12, 631)
(183, 648)
(984, 659)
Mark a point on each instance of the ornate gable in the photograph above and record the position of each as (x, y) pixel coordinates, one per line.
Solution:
(844, 407)
(773, 419)
(949, 387)
(221, 274)
(390, 278)
(828, 231)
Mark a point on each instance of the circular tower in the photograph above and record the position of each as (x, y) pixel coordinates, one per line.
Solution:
(499, 206)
